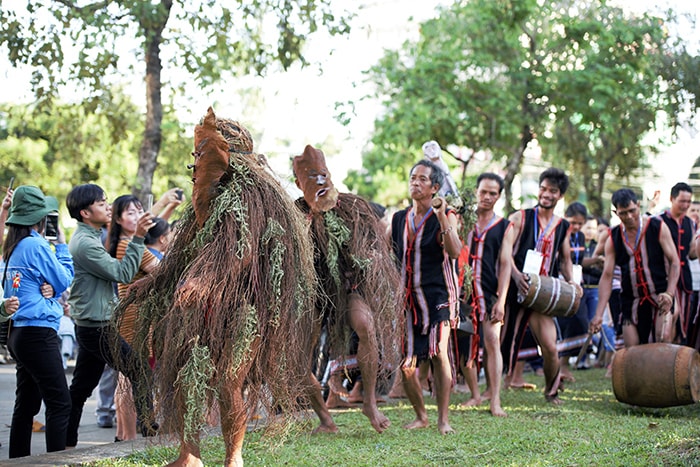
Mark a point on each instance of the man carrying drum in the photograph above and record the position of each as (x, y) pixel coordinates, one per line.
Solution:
(541, 248)
(643, 248)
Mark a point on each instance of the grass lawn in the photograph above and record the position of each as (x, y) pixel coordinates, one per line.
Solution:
(591, 428)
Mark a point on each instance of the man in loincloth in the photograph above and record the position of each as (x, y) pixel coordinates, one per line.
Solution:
(682, 229)
(426, 244)
(542, 248)
(490, 246)
(643, 248)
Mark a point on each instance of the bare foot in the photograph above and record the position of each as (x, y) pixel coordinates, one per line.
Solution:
(417, 423)
(325, 429)
(554, 400)
(521, 385)
(377, 419)
(187, 460)
(235, 461)
(608, 373)
(445, 428)
(334, 401)
(336, 385)
(486, 395)
(397, 393)
(497, 411)
(473, 402)
(567, 376)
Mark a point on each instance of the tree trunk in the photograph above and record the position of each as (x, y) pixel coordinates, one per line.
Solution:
(513, 167)
(152, 137)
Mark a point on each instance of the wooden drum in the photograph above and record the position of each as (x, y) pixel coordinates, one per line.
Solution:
(656, 375)
(552, 297)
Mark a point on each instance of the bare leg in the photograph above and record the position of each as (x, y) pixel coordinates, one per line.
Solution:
(472, 380)
(442, 374)
(361, 322)
(494, 365)
(666, 326)
(190, 455)
(355, 395)
(396, 391)
(486, 395)
(316, 399)
(630, 335)
(545, 331)
(233, 423)
(414, 393)
(565, 371)
(424, 376)
(516, 380)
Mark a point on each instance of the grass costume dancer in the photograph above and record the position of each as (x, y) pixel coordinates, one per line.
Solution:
(358, 280)
(231, 305)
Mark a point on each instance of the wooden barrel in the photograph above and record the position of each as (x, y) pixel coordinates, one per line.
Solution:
(551, 296)
(656, 375)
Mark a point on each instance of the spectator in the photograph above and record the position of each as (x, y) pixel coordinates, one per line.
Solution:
(126, 212)
(33, 339)
(92, 299)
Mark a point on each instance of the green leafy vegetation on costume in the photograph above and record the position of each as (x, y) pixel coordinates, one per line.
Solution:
(229, 284)
(194, 379)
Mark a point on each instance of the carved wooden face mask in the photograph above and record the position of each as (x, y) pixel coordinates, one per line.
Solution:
(314, 179)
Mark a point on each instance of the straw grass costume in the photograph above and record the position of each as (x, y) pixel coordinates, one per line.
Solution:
(357, 276)
(230, 307)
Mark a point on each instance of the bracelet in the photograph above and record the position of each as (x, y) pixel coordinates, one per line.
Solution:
(445, 232)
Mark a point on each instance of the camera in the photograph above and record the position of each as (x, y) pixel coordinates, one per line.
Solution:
(51, 230)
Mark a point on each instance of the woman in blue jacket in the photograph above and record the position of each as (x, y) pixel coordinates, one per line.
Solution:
(33, 337)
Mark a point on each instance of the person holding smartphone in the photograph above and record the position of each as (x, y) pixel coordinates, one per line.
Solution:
(33, 338)
(92, 300)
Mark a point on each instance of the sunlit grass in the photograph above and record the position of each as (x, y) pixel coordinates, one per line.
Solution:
(591, 428)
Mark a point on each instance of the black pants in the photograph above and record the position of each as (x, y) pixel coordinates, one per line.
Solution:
(94, 352)
(40, 376)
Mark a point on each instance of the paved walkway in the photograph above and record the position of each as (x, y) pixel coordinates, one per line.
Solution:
(93, 442)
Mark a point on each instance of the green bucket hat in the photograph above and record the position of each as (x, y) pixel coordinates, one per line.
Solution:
(29, 206)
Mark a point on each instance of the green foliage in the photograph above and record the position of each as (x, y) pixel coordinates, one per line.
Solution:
(585, 78)
(193, 380)
(64, 144)
(79, 46)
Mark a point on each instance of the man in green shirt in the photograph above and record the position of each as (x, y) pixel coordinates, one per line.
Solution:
(92, 300)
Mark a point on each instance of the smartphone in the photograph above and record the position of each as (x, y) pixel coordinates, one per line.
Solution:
(12, 183)
(179, 193)
(51, 230)
(149, 203)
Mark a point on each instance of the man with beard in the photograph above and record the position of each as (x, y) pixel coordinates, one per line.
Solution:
(643, 248)
(542, 248)
(357, 277)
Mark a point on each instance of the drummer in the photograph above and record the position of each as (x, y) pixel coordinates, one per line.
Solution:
(541, 248)
(644, 249)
